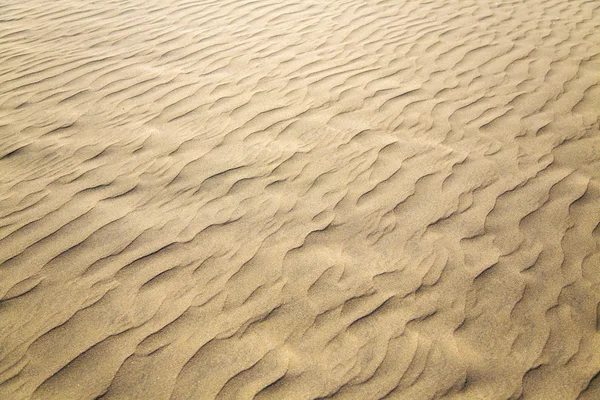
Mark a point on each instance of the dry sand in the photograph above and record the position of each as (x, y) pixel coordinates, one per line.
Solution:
(308, 199)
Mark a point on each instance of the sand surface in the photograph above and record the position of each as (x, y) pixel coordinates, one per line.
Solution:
(296, 200)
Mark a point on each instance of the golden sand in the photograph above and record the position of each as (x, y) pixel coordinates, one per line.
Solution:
(297, 200)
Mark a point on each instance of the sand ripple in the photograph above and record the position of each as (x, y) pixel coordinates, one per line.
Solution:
(300, 200)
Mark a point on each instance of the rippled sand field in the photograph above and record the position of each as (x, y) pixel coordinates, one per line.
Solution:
(297, 200)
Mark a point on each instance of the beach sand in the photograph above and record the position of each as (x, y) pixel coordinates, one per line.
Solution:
(310, 199)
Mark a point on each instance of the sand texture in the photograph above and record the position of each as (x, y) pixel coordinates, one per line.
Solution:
(344, 199)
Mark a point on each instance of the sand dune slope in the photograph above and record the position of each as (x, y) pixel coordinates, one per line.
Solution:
(296, 200)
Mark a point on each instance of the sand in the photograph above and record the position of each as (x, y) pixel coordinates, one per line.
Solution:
(297, 200)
